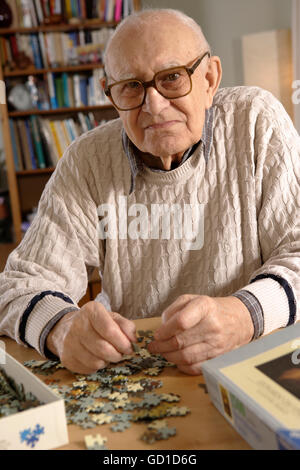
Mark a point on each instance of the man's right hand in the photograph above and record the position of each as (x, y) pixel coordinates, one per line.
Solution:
(87, 340)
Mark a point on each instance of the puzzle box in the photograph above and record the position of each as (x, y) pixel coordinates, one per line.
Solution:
(257, 389)
(41, 428)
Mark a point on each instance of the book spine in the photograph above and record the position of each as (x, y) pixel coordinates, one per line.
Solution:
(36, 52)
(51, 90)
(59, 92)
(15, 16)
(23, 144)
(118, 10)
(66, 102)
(43, 49)
(60, 135)
(13, 46)
(13, 144)
(18, 145)
(37, 142)
(55, 138)
(66, 132)
(39, 11)
(83, 9)
(49, 141)
(33, 15)
(82, 122)
(30, 145)
(70, 130)
(26, 17)
(83, 91)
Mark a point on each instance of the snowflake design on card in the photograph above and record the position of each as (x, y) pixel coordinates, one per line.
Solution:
(32, 436)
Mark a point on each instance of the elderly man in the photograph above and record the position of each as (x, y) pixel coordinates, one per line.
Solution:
(231, 155)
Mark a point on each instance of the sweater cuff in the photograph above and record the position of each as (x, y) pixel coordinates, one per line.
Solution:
(39, 313)
(43, 338)
(255, 310)
(274, 302)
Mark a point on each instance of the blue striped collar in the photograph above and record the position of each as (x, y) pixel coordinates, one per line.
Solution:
(136, 164)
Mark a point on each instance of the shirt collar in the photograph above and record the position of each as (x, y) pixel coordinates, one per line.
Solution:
(136, 164)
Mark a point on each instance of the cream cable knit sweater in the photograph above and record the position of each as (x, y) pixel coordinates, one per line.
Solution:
(251, 197)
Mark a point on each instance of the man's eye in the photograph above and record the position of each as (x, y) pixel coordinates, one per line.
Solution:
(133, 85)
(172, 77)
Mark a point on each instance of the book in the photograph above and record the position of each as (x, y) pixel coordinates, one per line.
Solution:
(51, 90)
(49, 143)
(59, 93)
(63, 143)
(21, 165)
(43, 49)
(39, 11)
(13, 144)
(83, 123)
(30, 144)
(257, 389)
(26, 16)
(76, 87)
(55, 139)
(24, 144)
(64, 79)
(118, 10)
(15, 16)
(38, 62)
(37, 142)
(83, 87)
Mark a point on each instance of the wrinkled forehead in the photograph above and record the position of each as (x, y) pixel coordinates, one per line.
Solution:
(139, 52)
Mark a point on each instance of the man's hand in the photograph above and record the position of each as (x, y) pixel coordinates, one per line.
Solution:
(86, 340)
(196, 328)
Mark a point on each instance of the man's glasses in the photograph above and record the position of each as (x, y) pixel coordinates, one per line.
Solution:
(172, 83)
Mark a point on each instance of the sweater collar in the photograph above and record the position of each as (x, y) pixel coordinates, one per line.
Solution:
(136, 164)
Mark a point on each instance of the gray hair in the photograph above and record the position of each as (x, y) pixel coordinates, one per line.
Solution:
(140, 19)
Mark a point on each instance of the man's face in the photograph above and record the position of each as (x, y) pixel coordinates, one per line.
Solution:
(162, 127)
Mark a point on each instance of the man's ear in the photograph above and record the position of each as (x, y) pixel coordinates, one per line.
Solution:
(213, 77)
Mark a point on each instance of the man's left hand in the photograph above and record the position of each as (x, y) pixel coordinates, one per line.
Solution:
(197, 327)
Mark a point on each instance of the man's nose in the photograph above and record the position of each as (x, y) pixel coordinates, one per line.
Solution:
(154, 102)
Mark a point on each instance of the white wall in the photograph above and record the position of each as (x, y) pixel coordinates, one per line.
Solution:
(225, 21)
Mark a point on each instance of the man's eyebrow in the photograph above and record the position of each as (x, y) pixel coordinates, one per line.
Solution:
(131, 76)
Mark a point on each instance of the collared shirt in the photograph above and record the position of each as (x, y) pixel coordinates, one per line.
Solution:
(136, 164)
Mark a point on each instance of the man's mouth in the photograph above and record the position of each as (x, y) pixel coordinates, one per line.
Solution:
(161, 125)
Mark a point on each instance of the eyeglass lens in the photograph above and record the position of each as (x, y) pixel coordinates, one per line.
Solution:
(172, 83)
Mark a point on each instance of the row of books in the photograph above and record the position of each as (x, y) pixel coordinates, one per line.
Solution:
(40, 142)
(32, 13)
(76, 90)
(56, 49)
(62, 90)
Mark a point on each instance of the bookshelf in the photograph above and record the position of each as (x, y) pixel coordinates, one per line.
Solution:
(62, 75)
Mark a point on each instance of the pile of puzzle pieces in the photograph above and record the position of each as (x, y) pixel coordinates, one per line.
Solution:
(118, 395)
(13, 397)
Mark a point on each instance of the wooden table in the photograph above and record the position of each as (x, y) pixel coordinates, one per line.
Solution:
(203, 428)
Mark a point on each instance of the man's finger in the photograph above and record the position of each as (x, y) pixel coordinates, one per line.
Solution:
(127, 326)
(184, 319)
(177, 342)
(191, 355)
(103, 350)
(109, 330)
(178, 304)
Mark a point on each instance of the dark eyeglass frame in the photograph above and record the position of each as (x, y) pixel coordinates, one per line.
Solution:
(152, 83)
